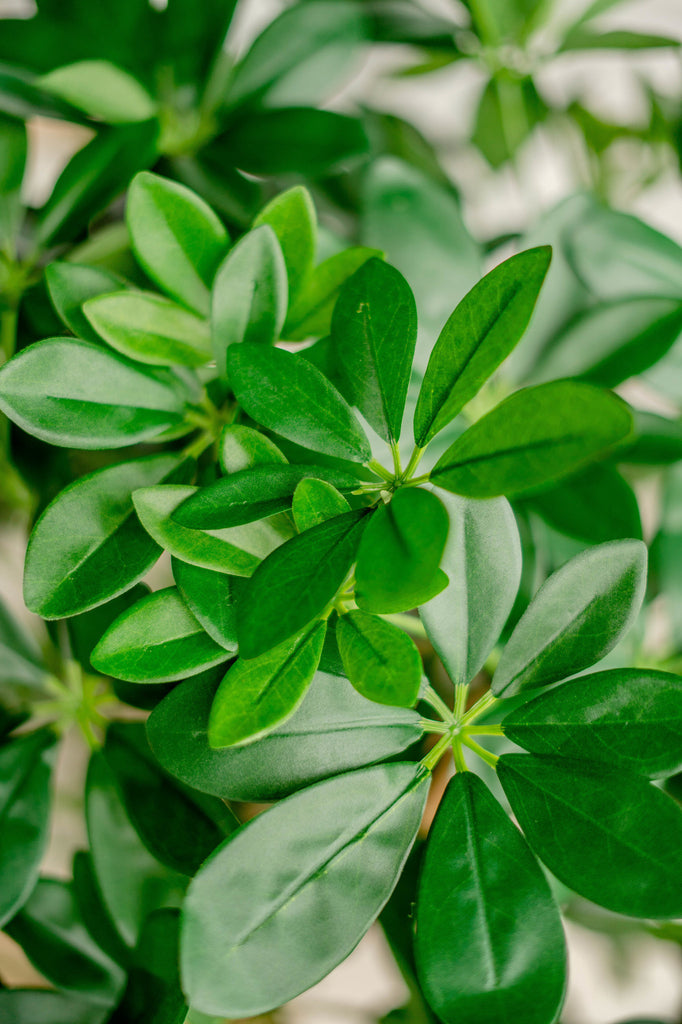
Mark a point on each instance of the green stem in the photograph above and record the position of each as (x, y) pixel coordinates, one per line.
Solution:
(395, 452)
(415, 459)
(8, 333)
(195, 448)
(458, 754)
(439, 705)
(428, 725)
(461, 693)
(434, 755)
(484, 754)
(416, 480)
(484, 730)
(487, 701)
(377, 468)
(409, 623)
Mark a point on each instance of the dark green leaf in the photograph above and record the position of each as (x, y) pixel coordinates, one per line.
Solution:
(314, 502)
(211, 597)
(595, 506)
(310, 312)
(26, 1006)
(88, 546)
(153, 994)
(577, 617)
(72, 284)
(96, 399)
(294, 585)
(85, 630)
(629, 717)
(610, 836)
(101, 90)
(292, 217)
(380, 660)
(583, 39)
(285, 393)
(21, 665)
(13, 150)
(156, 641)
(535, 436)
(92, 911)
(479, 335)
(482, 560)
(349, 835)
(489, 946)
(657, 440)
(243, 447)
(333, 730)
(176, 237)
(400, 552)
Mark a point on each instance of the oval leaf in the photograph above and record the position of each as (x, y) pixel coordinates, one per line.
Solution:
(314, 502)
(310, 312)
(100, 89)
(211, 597)
(72, 284)
(243, 447)
(292, 217)
(381, 661)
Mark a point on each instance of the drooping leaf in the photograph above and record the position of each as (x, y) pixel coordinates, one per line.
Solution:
(101, 90)
(296, 582)
(537, 435)
(72, 284)
(88, 545)
(482, 331)
(156, 641)
(607, 834)
(285, 393)
(291, 215)
(577, 617)
(400, 553)
(310, 311)
(332, 731)
(352, 833)
(489, 941)
(381, 661)
(211, 597)
(482, 560)
(314, 502)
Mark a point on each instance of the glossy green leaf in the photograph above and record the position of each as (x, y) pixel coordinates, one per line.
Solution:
(577, 617)
(72, 284)
(101, 90)
(211, 598)
(381, 661)
(610, 836)
(400, 553)
(243, 447)
(52, 934)
(478, 336)
(96, 399)
(176, 237)
(131, 881)
(88, 546)
(249, 297)
(153, 994)
(235, 550)
(537, 435)
(292, 217)
(314, 502)
(310, 311)
(351, 834)
(259, 694)
(25, 769)
(149, 328)
(13, 152)
(333, 730)
(156, 641)
(252, 494)
(27, 1005)
(628, 717)
(21, 664)
(285, 393)
(482, 560)
(284, 595)
(489, 941)
(596, 505)
(374, 327)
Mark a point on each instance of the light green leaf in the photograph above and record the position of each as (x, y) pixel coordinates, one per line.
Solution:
(100, 89)
(291, 215)
(243, 447)
(211, 598)
(310, 312)
(72, 284)
(380, 660)
(314, 502)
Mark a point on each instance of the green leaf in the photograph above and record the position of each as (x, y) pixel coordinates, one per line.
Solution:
(294, 585)
(235, 550)
(657, 440)
(577, 616)
(156, 641)
(482, 560)
(595, 506)
(332, 731)
(310, 311)
(92, 911)
(400, 552)
(374, 328)
(259, 694)
(21, 664)
(153, 994)
(381, 661)
(97, 399)
(243, 447)
(131, 881)
(252, 494)
(610, 836)
(88, 546)
(285, 393)
(101, 90)
(27, 1005)
(535, 436)
(509, 109)
(211, 598)
(292, 217)
(149, 328)
(584, 39)
(479, 335)
(176, 237)
(249, 297)
(179, 827)
(54, 937)
(627, 717)
(25, 770)
(314, 502)
(13, 151)
(351, 834)
(72, 284)
(489, 941)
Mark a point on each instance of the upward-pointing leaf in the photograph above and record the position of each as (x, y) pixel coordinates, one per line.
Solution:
(482, 331)
(374, 327)
(291, 216)
(286, 393)
(576, 618)
(72, 284)
(20, 662)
